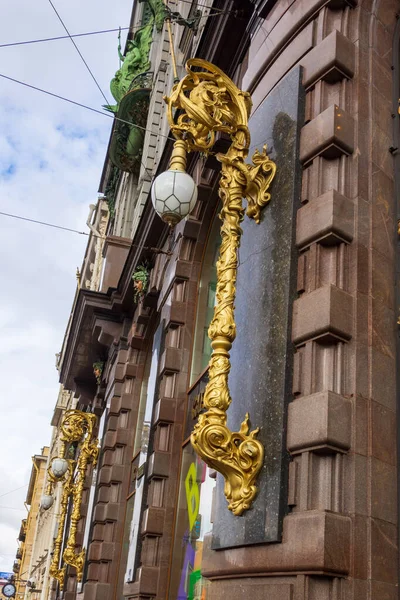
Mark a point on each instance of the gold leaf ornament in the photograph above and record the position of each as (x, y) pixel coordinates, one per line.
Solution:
(207, 102)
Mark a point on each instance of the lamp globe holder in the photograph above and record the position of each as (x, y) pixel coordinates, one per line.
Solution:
(174, 192)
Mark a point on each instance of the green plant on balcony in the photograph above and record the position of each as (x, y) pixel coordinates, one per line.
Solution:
(140, 280)
(98, 368)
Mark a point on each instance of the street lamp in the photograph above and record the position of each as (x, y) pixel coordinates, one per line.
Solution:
(59, 466)
(207, 102)
(174, 193)
(76, 427)
(46, 501)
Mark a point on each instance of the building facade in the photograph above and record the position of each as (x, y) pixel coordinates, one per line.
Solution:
(27, 531)
(315, 359)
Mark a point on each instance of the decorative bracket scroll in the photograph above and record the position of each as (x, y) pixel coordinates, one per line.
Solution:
(209, 102)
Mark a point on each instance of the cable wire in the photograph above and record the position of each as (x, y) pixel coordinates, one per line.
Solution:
(66, 37)
(16, 490)
(47, 225)
(151, 248)
(78, 51)
(83, 106)
(87, 33)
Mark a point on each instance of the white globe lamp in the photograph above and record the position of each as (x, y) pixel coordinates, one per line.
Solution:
(174, 193)
(46, 501)
(59, 466)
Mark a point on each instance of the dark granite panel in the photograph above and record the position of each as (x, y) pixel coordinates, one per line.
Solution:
(262, 356)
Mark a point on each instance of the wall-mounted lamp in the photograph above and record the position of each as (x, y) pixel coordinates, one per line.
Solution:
(46, 501)
(76, 427)
(206, 102)
(59, 466)
(174, 193)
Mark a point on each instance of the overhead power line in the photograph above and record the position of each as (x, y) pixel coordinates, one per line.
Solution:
(15, 490)
(33, 87)
(216, 13)
(66, 37)
(46, 224)
(151, 248)
(78, 51)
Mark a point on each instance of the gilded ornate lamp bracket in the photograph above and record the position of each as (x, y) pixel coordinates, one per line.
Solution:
(76, 427)
(208, 102)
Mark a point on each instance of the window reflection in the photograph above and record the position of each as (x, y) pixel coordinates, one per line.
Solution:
(206, 302)
(193, 520)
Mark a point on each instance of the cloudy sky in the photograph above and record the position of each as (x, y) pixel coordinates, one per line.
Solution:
(51, 156)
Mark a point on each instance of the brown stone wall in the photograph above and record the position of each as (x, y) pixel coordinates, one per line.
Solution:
(124, 373)
(340, 538)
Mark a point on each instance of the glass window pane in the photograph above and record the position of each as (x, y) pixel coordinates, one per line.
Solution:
(205, 303)
(192, 522)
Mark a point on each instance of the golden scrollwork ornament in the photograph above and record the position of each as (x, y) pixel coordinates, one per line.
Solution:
(208, 102)
(76, 427)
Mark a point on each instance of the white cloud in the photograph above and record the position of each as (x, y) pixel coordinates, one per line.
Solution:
(51, 157)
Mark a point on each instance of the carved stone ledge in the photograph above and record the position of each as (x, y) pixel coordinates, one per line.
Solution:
(328, 219)
(330, 134)
(332, 60)
(320, 422)
(325, 313)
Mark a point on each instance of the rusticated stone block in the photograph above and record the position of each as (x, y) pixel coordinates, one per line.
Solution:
(165, 411)
(108, 457)
(256, 589)
(115, 405)
(117, 473)
(112, 424)
(320, 421)
(107, 551)
(126, 401)
(183, 269)
(97, 591)
(99, 512)
(109, 439)
(124, 437)
(332, 60)
(330, 134)
(93, 572)
(111, 511)
(104, 493)
(384, 551)
(98, 532)
(327, 312)
(171, 360)
(130, 370)
(174, 313)
(312, 542)
(153, 521)
(328, 219)
(94, 551)
(159, 464)
(146, 583)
